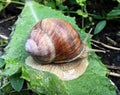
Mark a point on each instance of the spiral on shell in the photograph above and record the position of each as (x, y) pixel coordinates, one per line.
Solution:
(54, 40)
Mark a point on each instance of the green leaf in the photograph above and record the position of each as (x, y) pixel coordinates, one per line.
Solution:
(62, 7)
(100, 26)
(59, 2)
(118, 33)
(2, 6)
(81, 13)
(81, 2)
(2, 63)
(96, 16)
(47, 83)
(43, 82)
(1, 93)
(114, 13)
(50, 4)
(16, 82)
(118, 1)
(12, 67)
(6, 88)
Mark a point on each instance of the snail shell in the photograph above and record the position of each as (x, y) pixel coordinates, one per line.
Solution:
(54, 40)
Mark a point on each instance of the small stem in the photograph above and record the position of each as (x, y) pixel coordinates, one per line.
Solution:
(115, 17)
(82, 19)
(10, 1)
(107, 46)
(70, 12)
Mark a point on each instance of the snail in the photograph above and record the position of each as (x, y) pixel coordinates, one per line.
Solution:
(55, 46)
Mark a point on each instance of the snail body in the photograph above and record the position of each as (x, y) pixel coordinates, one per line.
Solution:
(55, 46)
(54, 40)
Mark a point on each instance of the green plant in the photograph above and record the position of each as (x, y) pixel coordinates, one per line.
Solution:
(99, 27)
(5, 3)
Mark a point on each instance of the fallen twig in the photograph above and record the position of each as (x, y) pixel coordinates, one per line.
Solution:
(107, 46)
(7, 19)
(114, 74)
(113, 67)
(3, 37)
(97, 46)
(111, 41)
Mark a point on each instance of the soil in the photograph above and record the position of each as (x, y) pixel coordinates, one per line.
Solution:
(109, 36)
(8, 17)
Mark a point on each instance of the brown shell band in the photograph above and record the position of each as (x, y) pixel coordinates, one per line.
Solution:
(76, 57)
